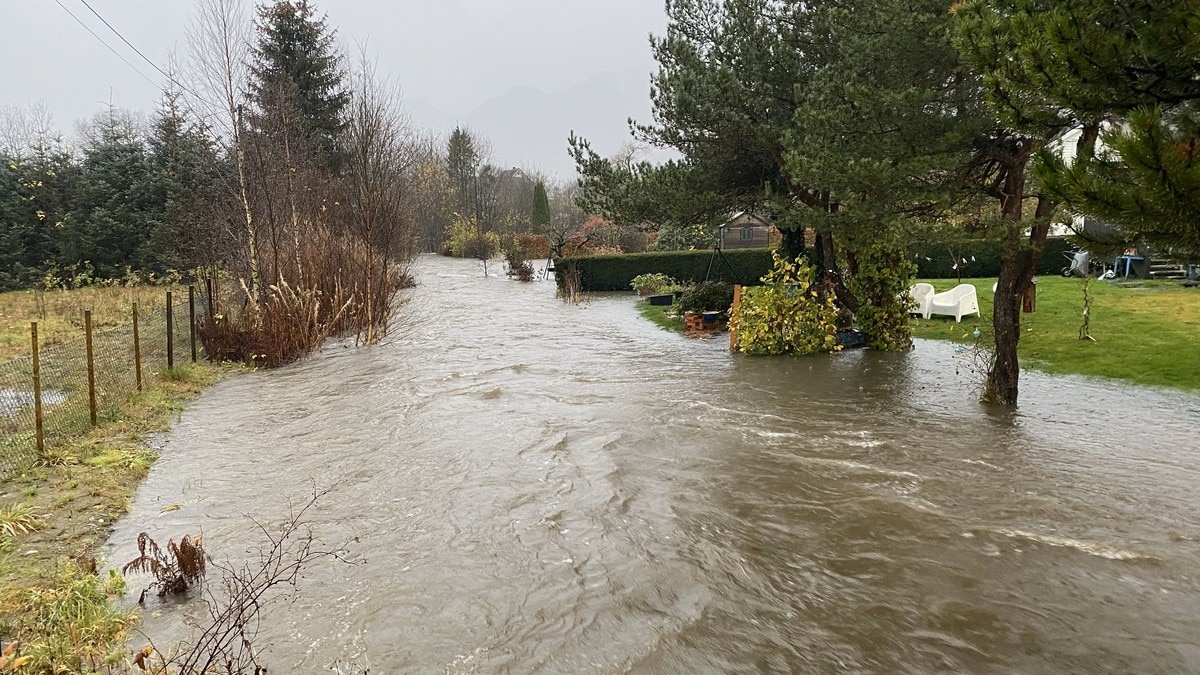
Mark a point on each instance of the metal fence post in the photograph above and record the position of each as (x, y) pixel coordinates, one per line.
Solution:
(192, 319)
(170, 333)
(91, 365)
(137, 349)
(37, 393)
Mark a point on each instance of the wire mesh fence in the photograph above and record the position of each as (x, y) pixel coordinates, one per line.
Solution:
(70, 385)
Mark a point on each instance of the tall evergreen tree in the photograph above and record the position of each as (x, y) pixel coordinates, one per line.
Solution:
(114, 207)
(540, 217)
(36, 192)
(1000, 169)
(297, 71)
(886, 120)
(189, 182)
(463, 164)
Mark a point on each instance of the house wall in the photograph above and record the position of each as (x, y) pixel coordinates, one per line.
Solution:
(759, 237)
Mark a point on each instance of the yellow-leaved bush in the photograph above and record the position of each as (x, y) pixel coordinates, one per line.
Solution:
(786, 315)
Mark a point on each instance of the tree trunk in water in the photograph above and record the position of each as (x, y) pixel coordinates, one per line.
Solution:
(1016, 278)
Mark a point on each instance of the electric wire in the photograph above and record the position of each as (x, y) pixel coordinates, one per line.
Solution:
(110, 47)
(203, 117)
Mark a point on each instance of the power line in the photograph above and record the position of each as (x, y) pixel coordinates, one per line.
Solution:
(127, 42)
(110, 48)
(170, 78)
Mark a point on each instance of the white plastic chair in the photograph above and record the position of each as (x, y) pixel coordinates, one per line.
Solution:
(920, 294)
(960, 301)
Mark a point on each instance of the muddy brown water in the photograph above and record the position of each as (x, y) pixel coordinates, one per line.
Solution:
(535, 487)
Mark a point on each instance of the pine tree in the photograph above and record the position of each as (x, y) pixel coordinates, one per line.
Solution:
(1125, 72)
(887, 118)
(991, 42)
(297, 70)
(540, 217)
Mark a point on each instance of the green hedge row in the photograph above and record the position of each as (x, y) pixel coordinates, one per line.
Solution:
(935, 261)
(615, 272)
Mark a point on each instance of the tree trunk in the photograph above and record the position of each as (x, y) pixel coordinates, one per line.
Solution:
(828, 274)
(792, 246)
(1017, 268)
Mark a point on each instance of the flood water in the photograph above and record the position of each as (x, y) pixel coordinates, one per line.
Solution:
(538, 487)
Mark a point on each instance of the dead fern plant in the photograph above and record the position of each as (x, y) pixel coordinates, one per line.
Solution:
(226, 641)
(174, 570)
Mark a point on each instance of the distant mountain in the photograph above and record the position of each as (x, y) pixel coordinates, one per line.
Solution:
(529, 127)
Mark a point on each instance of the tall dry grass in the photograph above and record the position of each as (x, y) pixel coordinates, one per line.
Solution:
(334, 292)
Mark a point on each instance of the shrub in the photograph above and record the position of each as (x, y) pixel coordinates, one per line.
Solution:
(537, 246)
(651, 284)
(174, 570)
(710, 296)
(616, 272)
(524, 272)
(514, 254)
(787, 315)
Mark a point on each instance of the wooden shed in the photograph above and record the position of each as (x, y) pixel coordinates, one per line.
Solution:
(746, 230)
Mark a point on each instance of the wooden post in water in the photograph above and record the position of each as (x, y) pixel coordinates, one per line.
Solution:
(137, 349)
(91, 365)
(37, 393)
(737, 302)
(192, 319)
(170, 333)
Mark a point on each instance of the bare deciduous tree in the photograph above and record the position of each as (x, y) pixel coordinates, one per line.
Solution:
(218, 38)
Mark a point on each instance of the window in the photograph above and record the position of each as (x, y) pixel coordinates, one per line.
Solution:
(747, 234)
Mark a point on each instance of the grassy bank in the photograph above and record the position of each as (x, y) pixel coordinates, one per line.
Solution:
(1144, 332)
(51, 600)
(56, 514)
(663, 317)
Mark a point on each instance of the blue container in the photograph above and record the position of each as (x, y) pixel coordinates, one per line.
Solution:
(711, 317)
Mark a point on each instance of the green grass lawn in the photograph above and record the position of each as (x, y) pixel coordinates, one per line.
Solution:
(1148, 332)
(1145, 332)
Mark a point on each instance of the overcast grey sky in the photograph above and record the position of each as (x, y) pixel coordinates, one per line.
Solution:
(522, 72)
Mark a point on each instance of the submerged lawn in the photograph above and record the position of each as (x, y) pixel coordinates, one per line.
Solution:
(1148, 332)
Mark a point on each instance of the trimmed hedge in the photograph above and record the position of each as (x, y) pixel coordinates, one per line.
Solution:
(615, 272)
(987, 258)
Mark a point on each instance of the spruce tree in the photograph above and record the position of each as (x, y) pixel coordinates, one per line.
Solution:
(297, 71)
(540, 218)
(113, 214)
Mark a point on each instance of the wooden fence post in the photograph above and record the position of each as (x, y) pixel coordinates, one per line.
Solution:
(91, 365)
(137, 349)
(37, 393)
(192, 319)
(170, 333)
(737, 302)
